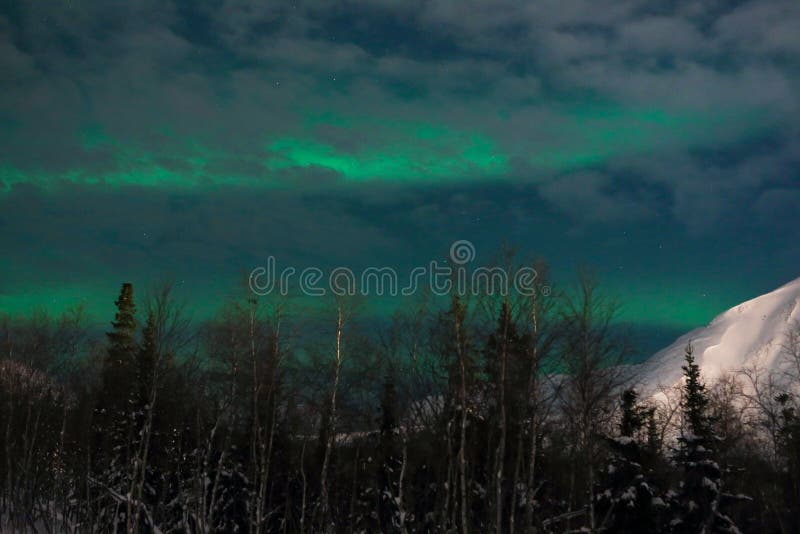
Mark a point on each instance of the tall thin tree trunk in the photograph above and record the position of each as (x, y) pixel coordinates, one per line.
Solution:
(255, 429)
(515, 481)
(332, 422)
(462, 448)
(500, 455)
(209, 503)
(533, 406)
(590, 468)
(60, 467)
(449, 501)
(400, 487)
(267, 462)
(305, 488)
(137, 483)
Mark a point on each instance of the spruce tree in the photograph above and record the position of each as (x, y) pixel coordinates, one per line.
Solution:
(118, 369)
(632, 417)
(653, 437)
(114, 437)
(121, 339)
(626, 499)
(697, 507)
(146, 363)
(695, 399)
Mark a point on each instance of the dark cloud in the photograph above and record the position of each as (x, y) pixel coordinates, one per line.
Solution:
(591, 197)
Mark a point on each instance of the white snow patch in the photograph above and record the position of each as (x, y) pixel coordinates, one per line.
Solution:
(753, 331)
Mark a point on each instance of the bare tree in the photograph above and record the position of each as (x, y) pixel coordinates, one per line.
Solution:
(790, 356)
(592, 352)
(344, 311)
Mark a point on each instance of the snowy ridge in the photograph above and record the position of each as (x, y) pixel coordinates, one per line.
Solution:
(753, 330)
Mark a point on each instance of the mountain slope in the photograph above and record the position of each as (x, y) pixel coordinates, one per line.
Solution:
(754, 329)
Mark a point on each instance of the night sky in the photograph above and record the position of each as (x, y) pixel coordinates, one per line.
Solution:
(656, 142)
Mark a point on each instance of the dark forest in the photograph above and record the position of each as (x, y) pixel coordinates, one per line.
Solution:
(479, 414)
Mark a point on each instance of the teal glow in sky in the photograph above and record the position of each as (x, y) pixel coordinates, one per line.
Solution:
(387, 150)
(190, 140)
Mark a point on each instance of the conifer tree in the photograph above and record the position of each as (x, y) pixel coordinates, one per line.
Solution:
(114, 436)
(626, 501)
(653, 437)
(698, 504)
(118, 369)
(146, 362)
(632, 414)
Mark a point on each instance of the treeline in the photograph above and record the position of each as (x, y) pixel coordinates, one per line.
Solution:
(486, 414)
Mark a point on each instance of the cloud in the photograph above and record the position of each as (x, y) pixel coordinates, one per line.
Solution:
(591, 197)
(574, 96)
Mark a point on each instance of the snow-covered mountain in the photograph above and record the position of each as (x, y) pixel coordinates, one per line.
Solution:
(755, 329)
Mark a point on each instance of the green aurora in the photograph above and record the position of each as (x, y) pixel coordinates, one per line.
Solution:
(414, 154)
(405, 152)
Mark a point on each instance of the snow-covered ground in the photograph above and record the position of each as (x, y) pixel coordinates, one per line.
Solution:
(753, 330)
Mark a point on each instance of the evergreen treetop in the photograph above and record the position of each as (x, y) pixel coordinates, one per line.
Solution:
(122, 341)
(695, 399)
